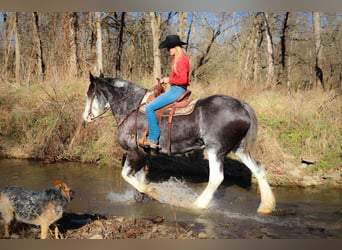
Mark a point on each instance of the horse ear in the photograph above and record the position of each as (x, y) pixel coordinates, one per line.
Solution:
(91, 77)
(101, 75)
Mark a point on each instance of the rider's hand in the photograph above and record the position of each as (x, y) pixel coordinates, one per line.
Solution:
(165, 80)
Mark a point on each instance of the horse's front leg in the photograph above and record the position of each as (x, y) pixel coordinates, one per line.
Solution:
(137, 178)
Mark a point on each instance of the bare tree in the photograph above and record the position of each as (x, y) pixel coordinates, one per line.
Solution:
(37, 46)
(252, 46)
(69, 20)
(270, 52)
(283, 48)
(17, 48)
(317, 29)
(120, 45)
(214, 32)
(191, 30)
(9, 24)
(156, 20)
(99, 57)
(182, 25)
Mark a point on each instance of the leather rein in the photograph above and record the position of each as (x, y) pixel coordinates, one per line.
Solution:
(100, 116)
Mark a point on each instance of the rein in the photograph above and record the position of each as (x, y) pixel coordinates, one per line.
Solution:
(93, 118)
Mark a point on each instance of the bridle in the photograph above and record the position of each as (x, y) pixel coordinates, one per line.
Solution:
(90, 112)
(119, 122)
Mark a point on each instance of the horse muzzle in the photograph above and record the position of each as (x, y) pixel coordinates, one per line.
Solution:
(89, 118)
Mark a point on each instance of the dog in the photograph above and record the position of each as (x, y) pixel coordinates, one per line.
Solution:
(41, 208)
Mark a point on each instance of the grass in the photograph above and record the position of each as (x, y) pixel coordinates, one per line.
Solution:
(43, 121)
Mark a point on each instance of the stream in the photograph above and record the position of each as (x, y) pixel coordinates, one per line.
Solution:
(303, 213)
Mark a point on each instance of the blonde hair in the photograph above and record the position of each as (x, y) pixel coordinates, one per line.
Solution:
(179, 52)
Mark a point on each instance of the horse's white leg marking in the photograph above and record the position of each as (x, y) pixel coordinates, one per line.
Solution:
(215, 179)
(268, 203)
(126, 173)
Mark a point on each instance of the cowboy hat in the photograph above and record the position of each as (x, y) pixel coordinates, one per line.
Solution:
(171, 41)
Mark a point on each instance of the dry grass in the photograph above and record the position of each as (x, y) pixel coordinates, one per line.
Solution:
(43, 121)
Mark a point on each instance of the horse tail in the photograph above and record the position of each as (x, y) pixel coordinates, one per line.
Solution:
(250, 137)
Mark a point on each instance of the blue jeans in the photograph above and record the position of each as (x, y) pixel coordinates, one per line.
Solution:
(164, 99)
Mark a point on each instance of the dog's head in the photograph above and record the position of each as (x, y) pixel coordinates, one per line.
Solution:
(68, 192)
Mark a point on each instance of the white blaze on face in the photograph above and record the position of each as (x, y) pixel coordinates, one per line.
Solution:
(96, 108)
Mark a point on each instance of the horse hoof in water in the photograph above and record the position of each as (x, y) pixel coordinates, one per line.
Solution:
(139, 197)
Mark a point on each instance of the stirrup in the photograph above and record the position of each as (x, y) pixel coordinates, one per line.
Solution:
(148, 144)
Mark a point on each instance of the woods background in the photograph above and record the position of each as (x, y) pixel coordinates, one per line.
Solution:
(299, 50)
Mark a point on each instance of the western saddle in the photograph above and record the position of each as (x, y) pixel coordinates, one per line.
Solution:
(168, 110)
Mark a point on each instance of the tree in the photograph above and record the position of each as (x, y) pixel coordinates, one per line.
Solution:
(156, 20)
(120, 45)
(17, 48)
(37, 46)
(283, 48)
(182, 27)
(70, 23)
(270, 52)
(99, 57)
(317, 30)
(9, 24)
(214, 30)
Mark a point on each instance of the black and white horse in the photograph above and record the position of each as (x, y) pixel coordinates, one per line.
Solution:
(219, 124)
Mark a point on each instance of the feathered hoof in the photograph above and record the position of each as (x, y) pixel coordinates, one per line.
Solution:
(152, 193)
(266, 209)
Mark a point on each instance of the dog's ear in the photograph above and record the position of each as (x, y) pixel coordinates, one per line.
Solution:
(58, 183)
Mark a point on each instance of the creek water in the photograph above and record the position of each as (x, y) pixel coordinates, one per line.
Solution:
(303, 213)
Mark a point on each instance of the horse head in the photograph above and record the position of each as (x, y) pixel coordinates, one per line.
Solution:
(97, 104)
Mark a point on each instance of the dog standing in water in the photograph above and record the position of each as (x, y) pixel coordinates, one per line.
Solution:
(41, 208)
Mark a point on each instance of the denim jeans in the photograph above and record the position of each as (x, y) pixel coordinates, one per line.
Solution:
(164, 99)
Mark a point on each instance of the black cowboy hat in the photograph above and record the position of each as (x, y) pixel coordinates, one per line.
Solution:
(171, 41)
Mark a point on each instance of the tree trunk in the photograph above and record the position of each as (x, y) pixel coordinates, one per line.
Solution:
(270, 52)
(120, 45)
(189, 32)
(17, 49)
(70, 35)
(252, 44)
(156, 25)
(182, 25)
(283, 56)
(92, 42)
(256, 46)
(9, 22)
(99, 57)
(37, 45)
(317, 29)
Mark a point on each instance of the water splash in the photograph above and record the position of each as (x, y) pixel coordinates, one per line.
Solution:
(175, 192)
(126, 197)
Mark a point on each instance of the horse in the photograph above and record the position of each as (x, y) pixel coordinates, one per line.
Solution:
(219, 123)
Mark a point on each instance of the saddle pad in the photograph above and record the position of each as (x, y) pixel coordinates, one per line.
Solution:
(179, 111)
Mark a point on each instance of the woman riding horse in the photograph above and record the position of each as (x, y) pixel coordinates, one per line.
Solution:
(179, 81)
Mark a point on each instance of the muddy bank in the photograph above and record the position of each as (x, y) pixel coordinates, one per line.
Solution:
(85, 226)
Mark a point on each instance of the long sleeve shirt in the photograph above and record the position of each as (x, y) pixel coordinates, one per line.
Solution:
(180, 76)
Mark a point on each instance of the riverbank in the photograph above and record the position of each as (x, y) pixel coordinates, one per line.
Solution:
(299, 138)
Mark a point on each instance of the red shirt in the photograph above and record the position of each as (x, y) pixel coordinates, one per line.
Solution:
(181, 76)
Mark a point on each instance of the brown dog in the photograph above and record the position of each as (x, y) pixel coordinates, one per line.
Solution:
(41, 208)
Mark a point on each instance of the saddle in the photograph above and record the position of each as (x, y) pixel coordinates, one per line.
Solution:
(182, 106)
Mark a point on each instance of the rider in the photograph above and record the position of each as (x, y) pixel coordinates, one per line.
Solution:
(179, 81)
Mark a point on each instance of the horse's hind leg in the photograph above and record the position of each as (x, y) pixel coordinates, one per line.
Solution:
(268, 203)
(215, 179)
